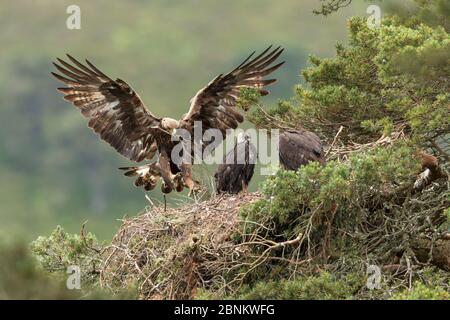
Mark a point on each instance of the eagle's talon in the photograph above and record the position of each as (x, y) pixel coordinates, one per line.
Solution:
(178, 182)
(196, 189)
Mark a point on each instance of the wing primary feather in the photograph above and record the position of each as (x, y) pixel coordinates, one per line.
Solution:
(256, 58)
(70, 74)
(268, 61)
(83, 89)
(243, 62)
(257, 63)
(82, 66)
(101, 74)
(65, 80)
(73, 69)
(270, 70)
(256, 82)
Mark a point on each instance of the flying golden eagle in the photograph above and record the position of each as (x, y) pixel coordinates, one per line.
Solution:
(118, 115)
(299, 147)
(236, 171)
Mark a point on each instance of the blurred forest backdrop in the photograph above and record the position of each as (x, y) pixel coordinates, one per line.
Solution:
(53, 169)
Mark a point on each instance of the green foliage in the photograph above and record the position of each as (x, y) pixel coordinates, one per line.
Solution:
(60, 250)
(430, 283)
(366, 200)
(326, 286)
(345, 185)
(421, 292)
(412, 12)
(388, 82)
(55, 253)
(447, 217)
(321, 287)
(248, 97)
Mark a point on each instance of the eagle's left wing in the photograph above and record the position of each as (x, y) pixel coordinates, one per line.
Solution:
(215, 104)
(113, 108)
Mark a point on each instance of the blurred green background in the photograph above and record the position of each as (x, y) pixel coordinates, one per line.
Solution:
(53, 170)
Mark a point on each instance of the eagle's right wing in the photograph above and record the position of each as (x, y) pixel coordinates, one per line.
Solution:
(215, 104)
(114, 110)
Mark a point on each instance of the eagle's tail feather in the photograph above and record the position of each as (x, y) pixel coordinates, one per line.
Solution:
(129, 171)
(147, 175)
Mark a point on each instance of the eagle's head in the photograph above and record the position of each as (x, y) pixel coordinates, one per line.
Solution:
(169, 124)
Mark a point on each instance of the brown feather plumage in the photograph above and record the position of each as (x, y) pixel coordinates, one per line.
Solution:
(298, 148)
(114, 110)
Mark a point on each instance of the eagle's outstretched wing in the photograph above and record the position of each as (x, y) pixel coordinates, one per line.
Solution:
(114, 110)
(215, 104)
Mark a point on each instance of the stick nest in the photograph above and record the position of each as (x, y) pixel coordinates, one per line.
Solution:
(172, 253)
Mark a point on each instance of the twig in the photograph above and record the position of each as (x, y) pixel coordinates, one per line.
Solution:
(334, 140)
